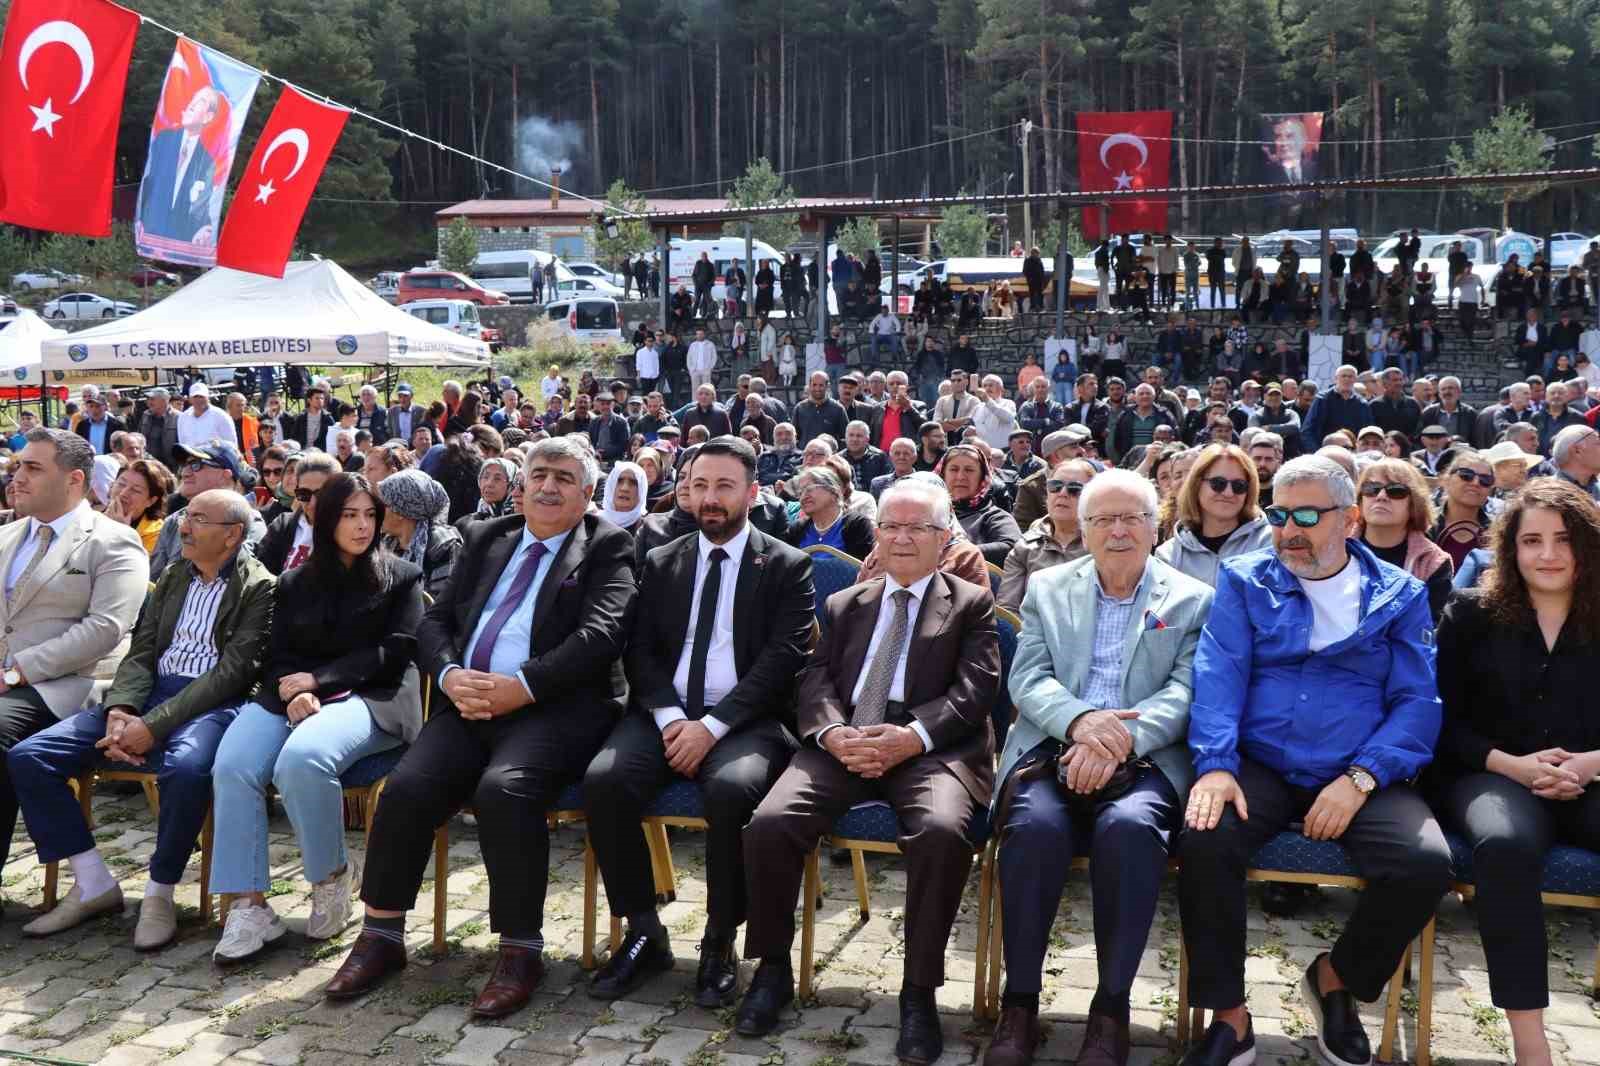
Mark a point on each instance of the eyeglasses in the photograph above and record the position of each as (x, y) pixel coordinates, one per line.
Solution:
(196, 465)
(1219, 485)
(272, 471)
(1486, 480)
(1304, 517)
(202, 521)
(304, 495)
(1110, 521)
(1071, 488)
(1372, 489)
(915, 529)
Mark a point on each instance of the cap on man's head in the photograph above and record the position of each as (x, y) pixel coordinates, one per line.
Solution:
(200, 388)
(1435, 431)
(1020, 433)
(1274, 389)
(669, 431)
(507, 381)
(402, 389)
(217, 453)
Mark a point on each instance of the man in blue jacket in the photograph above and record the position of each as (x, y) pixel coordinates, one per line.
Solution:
(1315, 703)
(1338, 408)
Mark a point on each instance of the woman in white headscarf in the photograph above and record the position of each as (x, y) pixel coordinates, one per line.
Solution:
(624, 500)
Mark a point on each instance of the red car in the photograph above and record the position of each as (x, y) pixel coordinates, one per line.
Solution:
(147, 277)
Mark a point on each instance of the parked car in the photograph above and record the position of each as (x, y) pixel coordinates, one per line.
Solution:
(446, 285)
(458, 316)
(32, 280)
(387, 285)
(586, 269)
(8, 306)
(86, 305)
(583, 287)
(146, 277)
(591, 319)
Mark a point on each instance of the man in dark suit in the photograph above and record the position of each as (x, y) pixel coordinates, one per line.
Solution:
(97, 425)
(724, 619)
(404, 416)
(1531, 339)
(158, 424)
(310, 427)
(175, 199)
(874, 730)
(525, 644)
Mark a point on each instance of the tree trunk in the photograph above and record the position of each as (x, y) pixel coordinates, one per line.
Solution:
(716, 112)
(1183, 151)
(472, 117)
(1238, 115)
(594, 121)
(512, 125)
(783, 95)
(845, 117)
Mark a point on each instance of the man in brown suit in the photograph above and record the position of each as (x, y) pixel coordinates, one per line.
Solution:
(919, 739)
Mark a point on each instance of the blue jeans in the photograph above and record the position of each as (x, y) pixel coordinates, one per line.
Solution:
(835, 372)
(41, 766)
(304, 763)
(1063, 392)
(928, 392)
(881, 341)
(1130, 837)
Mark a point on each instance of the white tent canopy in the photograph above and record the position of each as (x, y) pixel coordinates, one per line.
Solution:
(20, 343)
(315, 314)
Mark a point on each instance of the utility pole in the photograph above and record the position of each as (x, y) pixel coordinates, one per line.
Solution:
(1027, 209)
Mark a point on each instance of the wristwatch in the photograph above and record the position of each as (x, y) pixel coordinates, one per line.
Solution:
(1365, 783)
(12, 677)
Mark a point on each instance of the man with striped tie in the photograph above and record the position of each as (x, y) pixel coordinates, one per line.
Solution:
(875, 727)
(195, 656)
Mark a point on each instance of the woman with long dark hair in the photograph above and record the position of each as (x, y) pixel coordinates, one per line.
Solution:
(1520, 747)
(338, 685)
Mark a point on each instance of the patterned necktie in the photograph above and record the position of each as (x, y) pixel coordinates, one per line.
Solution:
(705, 625)
(483, 651)
(45, 535)
(874, 699)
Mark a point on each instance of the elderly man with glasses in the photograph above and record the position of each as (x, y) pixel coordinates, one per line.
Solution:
(1315, 703)
(1096, 760)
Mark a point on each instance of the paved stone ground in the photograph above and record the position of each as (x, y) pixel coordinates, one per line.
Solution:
(87, 997)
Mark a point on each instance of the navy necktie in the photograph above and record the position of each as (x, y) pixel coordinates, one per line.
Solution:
(483, 651)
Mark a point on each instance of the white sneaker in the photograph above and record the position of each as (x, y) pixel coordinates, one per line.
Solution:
(330, 904)
(247, 932)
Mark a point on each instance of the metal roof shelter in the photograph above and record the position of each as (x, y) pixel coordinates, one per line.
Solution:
(828, 212)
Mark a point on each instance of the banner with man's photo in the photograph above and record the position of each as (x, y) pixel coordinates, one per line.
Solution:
(199, 116)
(1292, 148)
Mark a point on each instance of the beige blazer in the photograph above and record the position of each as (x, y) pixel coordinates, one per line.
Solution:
(68, 625)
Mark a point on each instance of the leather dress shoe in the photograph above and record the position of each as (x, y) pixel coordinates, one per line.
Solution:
(1016, 1038)
(771, 990)
(921, 1040)
(1340, 1035)
(517, 973)
(1105, 1042)
(372, 958)
(636, 960)
(717, 981)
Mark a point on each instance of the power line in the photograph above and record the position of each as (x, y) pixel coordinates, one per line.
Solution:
(1350, 141)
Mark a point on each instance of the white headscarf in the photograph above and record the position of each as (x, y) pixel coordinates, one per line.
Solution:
(625, 519)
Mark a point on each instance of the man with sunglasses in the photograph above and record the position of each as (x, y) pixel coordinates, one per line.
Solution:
(1032, 498)
(201, 468)
(287, 543)
(1315, 702)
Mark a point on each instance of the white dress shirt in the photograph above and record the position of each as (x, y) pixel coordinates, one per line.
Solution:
(30, 543)
(721, 672)
(647, 362)
(880, 629)
(702, 356)
(196, 428)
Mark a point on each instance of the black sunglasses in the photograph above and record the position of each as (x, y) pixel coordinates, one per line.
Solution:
(304, 495)
(1071, 488)
(1372, 489)
(1486, 480)
(1219, 485)
(1304, 517)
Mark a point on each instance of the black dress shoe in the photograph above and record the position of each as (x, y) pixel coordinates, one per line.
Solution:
(1284, 900)
(635, 961)
(716, 983)
(1340, 1035)
(1222, 1047)
(771, 990)
(921, 1040)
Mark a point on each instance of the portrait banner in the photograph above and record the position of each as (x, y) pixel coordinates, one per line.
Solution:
(199, 117)
(1294, 143)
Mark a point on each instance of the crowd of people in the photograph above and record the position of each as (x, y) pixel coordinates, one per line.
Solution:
(1258, 608)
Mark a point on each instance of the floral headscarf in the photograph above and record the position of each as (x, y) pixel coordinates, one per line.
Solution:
(495, 510)
(414, 495)
(980, 455)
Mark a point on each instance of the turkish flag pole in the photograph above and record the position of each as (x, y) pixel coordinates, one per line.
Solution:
(1121, 150)
(276, 186)
(63, 69)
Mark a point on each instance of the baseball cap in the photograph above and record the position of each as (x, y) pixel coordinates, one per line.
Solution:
(200, 388)
(217, 453)
(403, 389)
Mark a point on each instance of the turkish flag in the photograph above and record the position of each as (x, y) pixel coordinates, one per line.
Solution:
(1119, 150)
(277, 184)
(63, 69)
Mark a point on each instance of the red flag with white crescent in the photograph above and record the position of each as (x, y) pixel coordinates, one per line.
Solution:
(1122, 150)
(63, 69)
(277, 184)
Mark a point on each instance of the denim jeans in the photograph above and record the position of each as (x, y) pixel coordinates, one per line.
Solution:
(1063, 392)
(881, 341)
(304, 763)
(182, 762)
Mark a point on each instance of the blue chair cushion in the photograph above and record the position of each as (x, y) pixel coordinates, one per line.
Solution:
(571, 798)
(370, 769)
(876, 821)
(1293, 853)
(1569, 870)
(680, 799)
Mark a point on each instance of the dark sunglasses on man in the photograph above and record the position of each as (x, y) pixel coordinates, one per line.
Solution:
(1373, 489)
(1304, 517)
(1219, 485)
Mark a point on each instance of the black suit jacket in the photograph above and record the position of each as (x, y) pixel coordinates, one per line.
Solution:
(113, 425)
(956, 653)
(773, 608)
(294, 428)
(580, 620)
(273, 550)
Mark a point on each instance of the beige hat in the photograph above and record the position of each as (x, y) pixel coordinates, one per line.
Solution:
(1506, 451)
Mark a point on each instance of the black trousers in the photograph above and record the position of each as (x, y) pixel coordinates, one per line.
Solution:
(22, 714)
(510, 770)
(631, 769)
(1394, 841)
(1039, 838)
(1510, 830)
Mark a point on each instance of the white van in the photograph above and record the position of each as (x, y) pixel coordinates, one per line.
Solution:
(722, 251)
(508, 272)
(591, 319)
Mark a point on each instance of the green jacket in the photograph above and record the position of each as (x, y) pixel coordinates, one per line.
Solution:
(244, 622)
